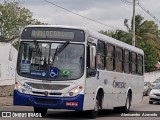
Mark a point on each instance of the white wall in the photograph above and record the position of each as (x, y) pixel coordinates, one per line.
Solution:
(7, 67)
(151, 76)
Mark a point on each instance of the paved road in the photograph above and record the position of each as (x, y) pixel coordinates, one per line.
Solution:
(104, 115)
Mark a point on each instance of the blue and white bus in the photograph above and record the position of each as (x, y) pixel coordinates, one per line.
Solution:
(63, 67)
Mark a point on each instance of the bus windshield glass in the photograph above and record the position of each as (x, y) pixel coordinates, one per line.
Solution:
(51, 61)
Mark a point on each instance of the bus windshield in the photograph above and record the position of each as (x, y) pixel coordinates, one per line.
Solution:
(51, 61)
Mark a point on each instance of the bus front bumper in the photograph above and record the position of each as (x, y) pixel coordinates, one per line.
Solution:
(72, 103)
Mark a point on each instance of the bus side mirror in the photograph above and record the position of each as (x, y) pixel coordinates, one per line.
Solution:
(91, 58)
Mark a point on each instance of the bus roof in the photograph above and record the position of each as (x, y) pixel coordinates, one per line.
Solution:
(113, 41)
(97, 35)
(58, 26)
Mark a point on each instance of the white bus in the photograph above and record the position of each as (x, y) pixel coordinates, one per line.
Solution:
(62, 67)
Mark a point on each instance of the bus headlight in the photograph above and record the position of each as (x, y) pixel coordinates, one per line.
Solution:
(23, 88)
(18, 86)
(74, 92)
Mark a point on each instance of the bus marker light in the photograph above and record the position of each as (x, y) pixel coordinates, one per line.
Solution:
(72, 104)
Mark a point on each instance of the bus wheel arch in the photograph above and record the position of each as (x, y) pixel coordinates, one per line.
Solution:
(129, 93)
(100, 97)
(126, 108)
(98, 103)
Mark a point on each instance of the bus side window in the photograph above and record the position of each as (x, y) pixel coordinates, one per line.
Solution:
(101, 55)
(140, 64)
(88, 56)
(110, 58)
(119, 59)
(126, 61)
(133, 63)
(91, 60)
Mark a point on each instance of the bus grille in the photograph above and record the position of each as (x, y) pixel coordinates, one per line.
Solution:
(47, 86)
(42, 93)
(46, 101)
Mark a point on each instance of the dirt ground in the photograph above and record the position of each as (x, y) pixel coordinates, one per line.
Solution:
(6, 101)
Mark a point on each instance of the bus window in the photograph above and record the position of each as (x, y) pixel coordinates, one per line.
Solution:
(91, 60)
(100, 55)
(110, 59)
(119, 59)
(140, 64)
(91, 56)
(39, 60)
(33, 57)
(133, 63)
(126, 61)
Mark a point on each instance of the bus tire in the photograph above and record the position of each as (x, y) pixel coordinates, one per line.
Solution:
(127, 106)
(150, 102)
(94, 113)
(43, 111)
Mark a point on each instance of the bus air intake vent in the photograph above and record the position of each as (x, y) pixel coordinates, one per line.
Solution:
(47, 86)
(46, 101)
(42, 93)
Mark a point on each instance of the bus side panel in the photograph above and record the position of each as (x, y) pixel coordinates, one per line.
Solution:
(106, 80)
(135, 83)
(119, 85)
(89, 101)
(90, 91)
(137, 89)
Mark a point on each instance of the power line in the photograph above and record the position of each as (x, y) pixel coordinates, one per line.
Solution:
(127, 2)
(143, 8)
(83, 16)
(148, 12)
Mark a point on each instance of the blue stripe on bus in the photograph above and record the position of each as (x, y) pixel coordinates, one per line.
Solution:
(47, 101)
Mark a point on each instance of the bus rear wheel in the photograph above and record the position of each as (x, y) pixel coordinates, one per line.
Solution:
(127, 106)
(43, 111)
(150, 102)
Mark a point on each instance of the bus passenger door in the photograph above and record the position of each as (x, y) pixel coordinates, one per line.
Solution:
(91, 69)
(91, 83)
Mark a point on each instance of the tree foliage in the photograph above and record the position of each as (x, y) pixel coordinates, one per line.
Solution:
(13, 18)
(147, 38)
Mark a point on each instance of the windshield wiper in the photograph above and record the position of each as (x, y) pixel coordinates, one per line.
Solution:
(59, 50)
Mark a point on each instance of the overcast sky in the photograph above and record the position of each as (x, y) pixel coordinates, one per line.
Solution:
(110, 12)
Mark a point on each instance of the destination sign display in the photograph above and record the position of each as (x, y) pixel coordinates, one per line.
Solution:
(52, 33)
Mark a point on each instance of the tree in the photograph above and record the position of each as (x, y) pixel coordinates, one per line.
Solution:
(13, 18)
(147, 38)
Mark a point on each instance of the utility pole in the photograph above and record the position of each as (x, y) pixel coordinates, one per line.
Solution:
(133, 26)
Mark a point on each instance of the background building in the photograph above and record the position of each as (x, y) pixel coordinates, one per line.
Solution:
(8, 57)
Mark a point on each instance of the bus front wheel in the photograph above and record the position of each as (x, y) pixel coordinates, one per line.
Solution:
(94, 113)
(42, 111)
